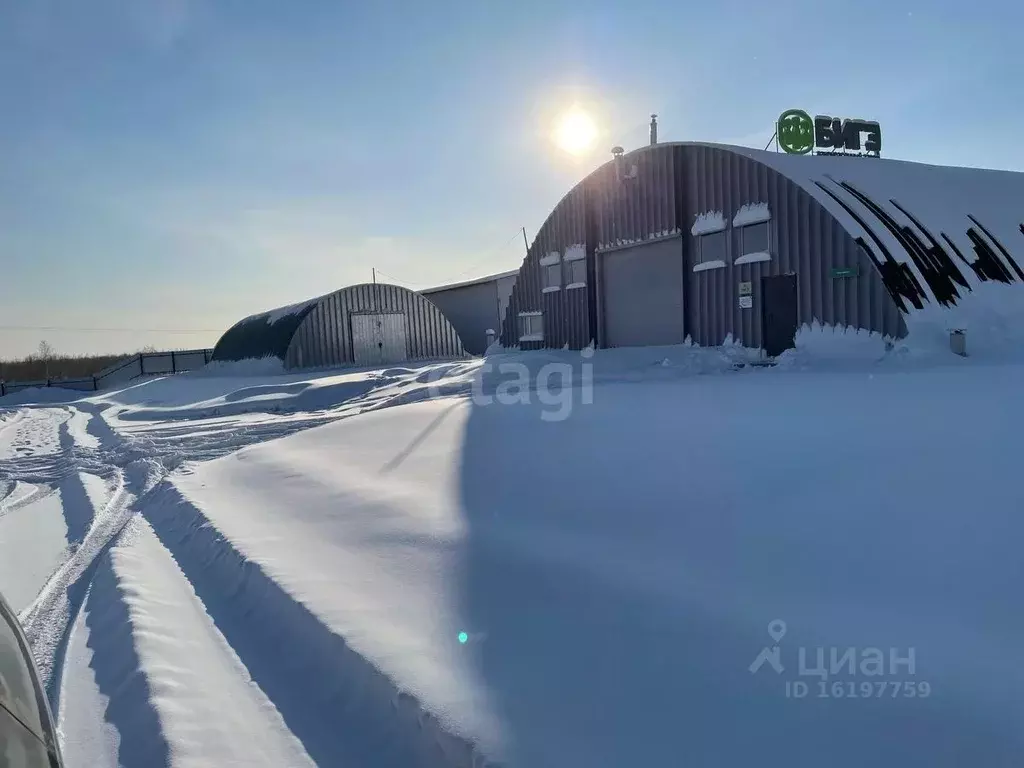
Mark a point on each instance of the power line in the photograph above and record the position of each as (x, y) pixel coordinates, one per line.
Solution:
(489, 254)
(35, 328)
(394, 280)
(456, 278)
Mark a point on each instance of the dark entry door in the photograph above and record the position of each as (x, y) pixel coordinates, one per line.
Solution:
(778, 313)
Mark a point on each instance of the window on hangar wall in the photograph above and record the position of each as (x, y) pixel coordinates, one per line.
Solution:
(754, 238)
(752, 223)
(575, 261)
(531, 326)
(712, 247)
(551, 272)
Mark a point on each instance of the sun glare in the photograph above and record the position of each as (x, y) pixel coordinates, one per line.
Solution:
(576, 132)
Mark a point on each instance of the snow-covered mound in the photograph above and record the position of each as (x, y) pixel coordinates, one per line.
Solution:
(615, 572)
(41, 395)
(628, 557)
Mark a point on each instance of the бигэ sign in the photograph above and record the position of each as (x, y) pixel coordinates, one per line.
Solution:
(798, 134)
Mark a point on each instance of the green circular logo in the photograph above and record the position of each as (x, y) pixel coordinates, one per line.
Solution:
(796, 132)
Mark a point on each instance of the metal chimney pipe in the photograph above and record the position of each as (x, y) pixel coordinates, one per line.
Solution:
(617, 154)
(654, 130)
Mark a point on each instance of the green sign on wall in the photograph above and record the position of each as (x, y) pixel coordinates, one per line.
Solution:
(841, 272)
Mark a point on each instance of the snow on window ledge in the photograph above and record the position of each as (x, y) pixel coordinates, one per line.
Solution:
(753, 258)
(551, 289)
(530, 314)
(575, 253)
(532, 337)
(706, 223)
(751, 213)
(574, 286)
(704, 266)
(551, 258)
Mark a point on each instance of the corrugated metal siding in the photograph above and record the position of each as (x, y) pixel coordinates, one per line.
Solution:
(566, 313)
(633, 210)
(674, 184)
(324, 338)
(504, 286)
(805, 240)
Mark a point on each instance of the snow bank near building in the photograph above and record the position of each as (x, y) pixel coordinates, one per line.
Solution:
(615, 573)
(262, 366)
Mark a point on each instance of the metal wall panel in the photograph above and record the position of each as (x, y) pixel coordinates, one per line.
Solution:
(642, 295)
(324, 338)
(394, 337)
(631, 210)
(472, 309)
(674, 184)
(805, 240)
(566, 313)
(504, 287)
(364, 339)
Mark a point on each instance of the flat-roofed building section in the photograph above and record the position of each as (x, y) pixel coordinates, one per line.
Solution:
(475, 307)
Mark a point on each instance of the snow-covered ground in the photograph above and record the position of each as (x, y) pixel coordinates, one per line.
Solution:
(537, 559)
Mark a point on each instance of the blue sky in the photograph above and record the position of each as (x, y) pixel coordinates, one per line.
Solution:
(177, 164)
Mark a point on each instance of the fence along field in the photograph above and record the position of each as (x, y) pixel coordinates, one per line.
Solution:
(94, 372)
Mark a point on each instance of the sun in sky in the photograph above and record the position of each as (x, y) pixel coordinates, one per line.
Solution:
(575, 132)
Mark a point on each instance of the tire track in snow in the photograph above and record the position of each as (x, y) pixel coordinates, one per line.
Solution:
(92, 529)
(343, 709)
(48, 620)
(117, 672)
(30, 494)
(80, 720)
(190, 688)
(340, 708)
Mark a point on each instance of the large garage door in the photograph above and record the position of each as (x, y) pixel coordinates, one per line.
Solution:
(378, 339)
(642, 294)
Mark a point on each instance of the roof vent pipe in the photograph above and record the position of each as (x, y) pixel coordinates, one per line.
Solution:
(617, 154)
(654, 130)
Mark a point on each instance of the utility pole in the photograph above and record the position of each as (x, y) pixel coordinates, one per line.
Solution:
(526, 244)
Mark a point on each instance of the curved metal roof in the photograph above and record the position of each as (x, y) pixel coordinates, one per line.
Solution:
(935, 233)
(266, 334)
(315, 332)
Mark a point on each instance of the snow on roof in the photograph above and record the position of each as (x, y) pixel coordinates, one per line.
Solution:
(954, 235)
(475, 281)
(948, 240)
(272, 316)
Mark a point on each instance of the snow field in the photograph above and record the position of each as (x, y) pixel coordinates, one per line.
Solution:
(275, 570)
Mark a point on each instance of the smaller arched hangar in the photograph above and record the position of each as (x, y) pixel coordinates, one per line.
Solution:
(362, 325)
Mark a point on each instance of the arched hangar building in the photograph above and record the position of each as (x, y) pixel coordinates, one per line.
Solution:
(690, 240)
(362, 325)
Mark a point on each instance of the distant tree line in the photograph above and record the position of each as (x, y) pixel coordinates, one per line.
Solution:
(47, 363)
